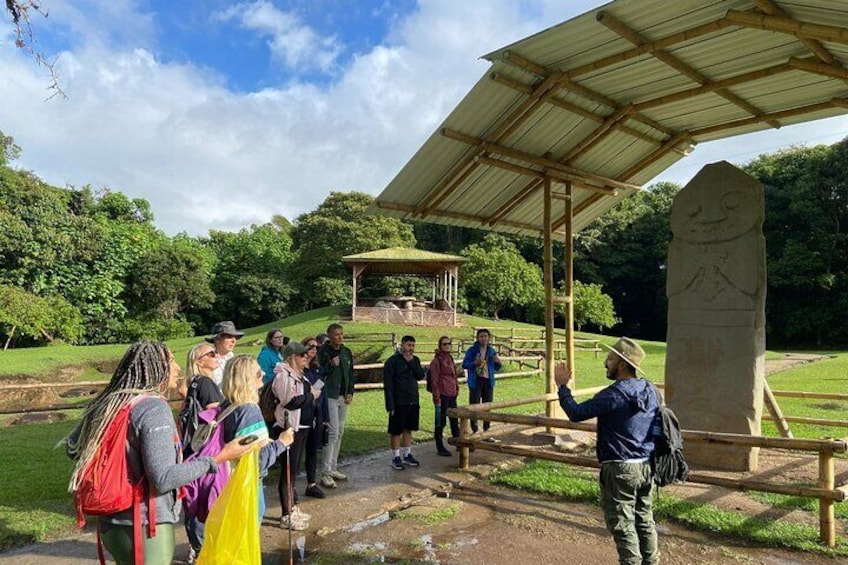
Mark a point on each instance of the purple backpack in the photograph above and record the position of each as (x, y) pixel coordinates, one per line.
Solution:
(208, 440)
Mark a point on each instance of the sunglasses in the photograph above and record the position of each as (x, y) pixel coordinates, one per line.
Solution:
(207, 354)
(444, 343)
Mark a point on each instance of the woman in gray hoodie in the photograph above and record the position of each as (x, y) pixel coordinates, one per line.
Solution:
(153, 451)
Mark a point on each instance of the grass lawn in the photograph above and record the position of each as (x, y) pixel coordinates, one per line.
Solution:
(35, 505)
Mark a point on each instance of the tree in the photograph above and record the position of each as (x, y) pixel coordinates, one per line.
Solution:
(806, 230)
(251, 279)
(339, 226)
(591, 306)
(22, 12)
(171, 278)
(37, 318)
(625, 251)
(496, 277)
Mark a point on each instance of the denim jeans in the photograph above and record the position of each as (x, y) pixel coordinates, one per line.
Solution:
(626, 498)
(338, 415)
(482, 393)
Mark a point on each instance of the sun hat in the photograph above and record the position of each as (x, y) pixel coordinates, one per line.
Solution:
(630, 351)
(220, 328)
(294, 348)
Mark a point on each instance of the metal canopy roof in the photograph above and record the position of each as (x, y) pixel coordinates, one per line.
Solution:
(402, 261)
(608, 100)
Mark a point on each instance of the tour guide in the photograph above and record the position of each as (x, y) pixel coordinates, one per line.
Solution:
(626, 411)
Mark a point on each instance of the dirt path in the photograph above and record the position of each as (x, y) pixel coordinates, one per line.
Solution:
(482, 524)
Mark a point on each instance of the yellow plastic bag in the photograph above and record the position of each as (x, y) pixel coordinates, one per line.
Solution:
(232, 528)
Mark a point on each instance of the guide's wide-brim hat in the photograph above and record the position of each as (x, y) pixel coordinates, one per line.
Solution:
(221, 328)
(630, 351)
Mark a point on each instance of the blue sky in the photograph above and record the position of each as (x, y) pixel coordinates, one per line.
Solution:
(224, 113)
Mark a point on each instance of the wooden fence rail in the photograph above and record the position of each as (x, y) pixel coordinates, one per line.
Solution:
(826, 490)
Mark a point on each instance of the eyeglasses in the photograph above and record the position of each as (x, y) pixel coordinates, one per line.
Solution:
(444, 343)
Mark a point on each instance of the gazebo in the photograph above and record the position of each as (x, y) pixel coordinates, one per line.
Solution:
(442, 269)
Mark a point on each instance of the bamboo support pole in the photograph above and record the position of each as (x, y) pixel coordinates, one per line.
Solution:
(548, 263)
(569, 287)
(774, 409)
(827, 520)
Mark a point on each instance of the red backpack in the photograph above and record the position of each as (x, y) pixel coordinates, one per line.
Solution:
(105, 486)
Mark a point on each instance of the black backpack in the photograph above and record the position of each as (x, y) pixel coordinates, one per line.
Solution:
(428, 378)
(187, 418)
(667, 462)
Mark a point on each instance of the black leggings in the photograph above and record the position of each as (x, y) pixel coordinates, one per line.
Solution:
(313, 442)
(295, 450)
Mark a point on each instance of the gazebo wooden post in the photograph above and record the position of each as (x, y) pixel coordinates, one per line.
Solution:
(548, 258)
(357, 270)
(569, 284)
(456, 292)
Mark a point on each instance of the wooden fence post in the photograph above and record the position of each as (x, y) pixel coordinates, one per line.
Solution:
(827, 523)
(464, 452)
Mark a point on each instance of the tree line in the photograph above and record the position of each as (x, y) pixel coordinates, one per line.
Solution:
(89, 266)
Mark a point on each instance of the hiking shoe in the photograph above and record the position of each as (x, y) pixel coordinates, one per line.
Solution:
(298, 513)
(328, 481)
(410, 461)
(293, 522)
(397, 464)
(443, 452)
(315, 492)
(338, 476)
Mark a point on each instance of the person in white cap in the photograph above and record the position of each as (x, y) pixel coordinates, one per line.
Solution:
(626, 412)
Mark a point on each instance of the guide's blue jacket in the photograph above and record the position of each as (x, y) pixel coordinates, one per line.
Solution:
(625, 411)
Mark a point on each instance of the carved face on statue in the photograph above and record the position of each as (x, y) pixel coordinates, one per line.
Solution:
(720, 204)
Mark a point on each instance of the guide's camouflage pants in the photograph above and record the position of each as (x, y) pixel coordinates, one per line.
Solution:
(626, 497)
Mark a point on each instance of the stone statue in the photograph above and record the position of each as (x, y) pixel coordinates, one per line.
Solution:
(716, 291)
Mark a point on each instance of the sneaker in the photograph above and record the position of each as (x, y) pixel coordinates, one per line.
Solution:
(192, 556)
(315, 492)
(338, 476)
(298, 513)
(293, 522)
(443, 452)
(492, 440)
(411, 461)
(397, 463)
(328, 481)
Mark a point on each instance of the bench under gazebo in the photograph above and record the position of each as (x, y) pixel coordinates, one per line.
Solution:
(437, 310)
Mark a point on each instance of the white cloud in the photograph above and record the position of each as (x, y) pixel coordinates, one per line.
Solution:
(291, 41)
(207, 157)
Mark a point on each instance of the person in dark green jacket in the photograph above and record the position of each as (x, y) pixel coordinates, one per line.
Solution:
(401, 374)
(336, 363)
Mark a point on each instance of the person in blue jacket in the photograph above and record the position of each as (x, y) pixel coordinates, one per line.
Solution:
(627, 419)
(271, 354)
(481, 363)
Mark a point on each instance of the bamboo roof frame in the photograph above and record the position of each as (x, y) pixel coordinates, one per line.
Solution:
(579, 112)
(498, 154)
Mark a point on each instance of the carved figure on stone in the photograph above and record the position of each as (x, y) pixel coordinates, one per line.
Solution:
(716, 292)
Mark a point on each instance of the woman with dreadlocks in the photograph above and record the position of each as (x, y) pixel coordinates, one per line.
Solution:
(153, 451)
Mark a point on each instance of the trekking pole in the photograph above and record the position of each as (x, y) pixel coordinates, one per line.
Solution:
(289, 492)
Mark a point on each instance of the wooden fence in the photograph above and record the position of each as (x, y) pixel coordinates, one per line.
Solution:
(826, 491)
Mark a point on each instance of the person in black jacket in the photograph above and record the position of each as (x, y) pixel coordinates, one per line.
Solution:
(401, 374)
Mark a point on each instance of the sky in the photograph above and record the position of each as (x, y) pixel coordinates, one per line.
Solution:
(222, 114)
